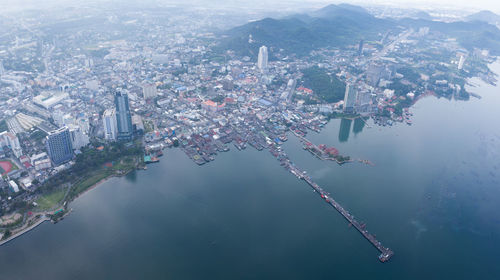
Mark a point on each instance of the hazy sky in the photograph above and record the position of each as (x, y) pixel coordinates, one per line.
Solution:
(493, 5)
(474, 5)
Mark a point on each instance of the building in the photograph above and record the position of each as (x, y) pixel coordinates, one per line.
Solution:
(84, 124)
(363, 102)
(360, 47)
(59, 145)
(350, 98)
(10, 140)
(40, 156)
(13, 186)
(123, 117)
(49, 99)
(138, 124)
(423, 31)
(110, 126)
(262, 59)
(78, 138)
(42, 164)
(57, 116)
(2, 69)
(92, 84)
(149, 91)
(374, 73)
(461, 62)
(211, 106)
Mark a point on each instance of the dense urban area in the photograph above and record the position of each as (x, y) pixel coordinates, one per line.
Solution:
(84, 98)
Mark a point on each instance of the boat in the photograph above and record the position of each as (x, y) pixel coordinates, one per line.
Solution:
(150, 159)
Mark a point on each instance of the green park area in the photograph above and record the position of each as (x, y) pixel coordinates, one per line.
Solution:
(50, 200)
(94, 164)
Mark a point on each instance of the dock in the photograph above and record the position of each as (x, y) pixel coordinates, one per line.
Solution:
(385, 253)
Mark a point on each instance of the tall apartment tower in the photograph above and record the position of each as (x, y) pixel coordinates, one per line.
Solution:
(149, 91)
(350, 98)
(262, 59)
(123, 117)
(461, 62)
(110, 126)
(59, 147)
(360, 47)
(2, 70)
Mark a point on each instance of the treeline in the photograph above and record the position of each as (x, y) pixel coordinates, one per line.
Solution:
(92, 159)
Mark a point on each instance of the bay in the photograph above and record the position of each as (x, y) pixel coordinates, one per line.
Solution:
(433, 197)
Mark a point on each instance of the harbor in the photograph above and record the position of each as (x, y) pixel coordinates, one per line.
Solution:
(202, 148)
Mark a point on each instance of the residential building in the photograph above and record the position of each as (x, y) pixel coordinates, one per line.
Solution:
(149, 91)
(262, 58)
(110, 126)
(10, 140)
(78, 138)
(461, 62)
(123, 117)
(59, 147)
(350, 98)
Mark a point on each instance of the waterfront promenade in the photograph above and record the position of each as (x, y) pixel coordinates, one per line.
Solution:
(25, 230)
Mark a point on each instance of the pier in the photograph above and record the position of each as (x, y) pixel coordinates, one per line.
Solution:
(385, 253)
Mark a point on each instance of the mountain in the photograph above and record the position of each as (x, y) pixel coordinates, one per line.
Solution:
(333, 25)
(332, 10)
(470, 35)
(423, 15)
(485, 16)
(343, 25)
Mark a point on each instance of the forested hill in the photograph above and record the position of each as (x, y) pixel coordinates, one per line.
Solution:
(343, 25)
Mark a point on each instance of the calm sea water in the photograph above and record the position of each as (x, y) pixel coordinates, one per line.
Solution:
(433, 197)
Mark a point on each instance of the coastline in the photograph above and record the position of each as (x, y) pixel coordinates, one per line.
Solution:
(26, 230)
(45, 218)
(103, 180)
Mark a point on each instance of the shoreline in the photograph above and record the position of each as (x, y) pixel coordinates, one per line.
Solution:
(23, 231)
(103, 180)
(45, 218)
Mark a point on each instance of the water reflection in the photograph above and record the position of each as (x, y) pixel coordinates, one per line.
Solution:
(358, 125)
(345, 129)
(132, 176)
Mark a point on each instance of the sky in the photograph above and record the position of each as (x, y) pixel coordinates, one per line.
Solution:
(472, 5)
(476, 5)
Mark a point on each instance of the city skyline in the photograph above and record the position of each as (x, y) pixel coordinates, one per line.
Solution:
(185, 133)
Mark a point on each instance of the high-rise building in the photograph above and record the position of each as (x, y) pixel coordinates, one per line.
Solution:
(262, 59)
(2, 70)
(461, 62)
(374, 73)
(149, 91)
(59, 145)
(78, 138)
(110, 127)
(123, 117)
(350, 98)
(360, 48)
(10, 140)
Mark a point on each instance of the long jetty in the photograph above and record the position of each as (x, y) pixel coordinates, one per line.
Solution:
(385, 253)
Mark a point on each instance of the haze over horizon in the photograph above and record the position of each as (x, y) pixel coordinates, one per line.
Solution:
(272, 4)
